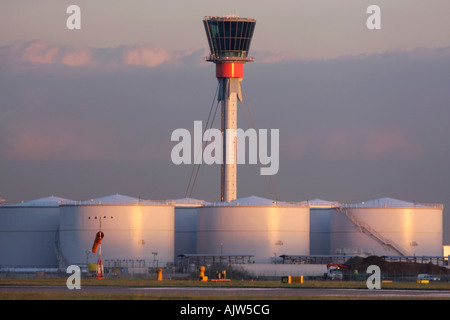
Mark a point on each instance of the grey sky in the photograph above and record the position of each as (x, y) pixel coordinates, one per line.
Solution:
(362, 114)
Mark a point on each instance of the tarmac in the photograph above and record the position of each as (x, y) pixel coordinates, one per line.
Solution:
(264, 292)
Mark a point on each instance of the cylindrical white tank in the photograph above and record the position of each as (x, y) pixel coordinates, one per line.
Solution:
(137, 233)
(387, 227)
(186, 225)
(27, 233)
(253, 226)
(320, 217)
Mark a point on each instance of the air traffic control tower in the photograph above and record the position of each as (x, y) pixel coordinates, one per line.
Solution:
(229, 41)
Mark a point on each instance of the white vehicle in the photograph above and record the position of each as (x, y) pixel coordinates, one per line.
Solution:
(427, 277)
(334, 271)
(335, 274)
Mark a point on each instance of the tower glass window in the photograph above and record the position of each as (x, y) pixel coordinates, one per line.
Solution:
(229, 37)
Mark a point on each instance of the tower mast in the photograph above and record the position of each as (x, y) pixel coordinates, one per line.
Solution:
(229, 41)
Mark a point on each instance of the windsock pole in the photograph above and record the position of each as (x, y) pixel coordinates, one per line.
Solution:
(100, 271)
(98, 244)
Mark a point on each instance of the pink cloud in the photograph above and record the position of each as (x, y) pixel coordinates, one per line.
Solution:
(77, 56)
(148, 56)
(367, 144)
(30, 137)
(379, 145)
(37, 53)
(54, 138)
(22, 55)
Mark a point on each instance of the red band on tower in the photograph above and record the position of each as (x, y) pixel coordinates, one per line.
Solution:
(230, 70)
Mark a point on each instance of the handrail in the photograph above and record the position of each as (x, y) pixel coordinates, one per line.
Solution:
(310, 203)
(380, 238)
(87, 202)
(267, 203)
(118, 202)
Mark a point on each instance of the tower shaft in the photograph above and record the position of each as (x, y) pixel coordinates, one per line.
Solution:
(229, 94)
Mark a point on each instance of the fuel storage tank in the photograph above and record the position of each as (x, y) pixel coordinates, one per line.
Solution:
(320, 217)
(253, 226)
(186, 225)
(27, 233)
(137, 233)
(388, 227)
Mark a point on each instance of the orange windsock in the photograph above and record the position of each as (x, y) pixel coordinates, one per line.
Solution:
(98, 239)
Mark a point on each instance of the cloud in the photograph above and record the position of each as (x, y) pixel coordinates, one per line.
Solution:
(419, 53)
(43, 53)
(54, 138)
(77, 56)
(36, 53)
(148, 56)
(379, 145)
(62, 138)
(74, 118)
(25, 55)
(353, 143)
(32, 54)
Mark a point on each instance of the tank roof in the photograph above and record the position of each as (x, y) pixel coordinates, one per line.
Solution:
(118, 199)
(51, 201)
(255, 201)
(387, 202)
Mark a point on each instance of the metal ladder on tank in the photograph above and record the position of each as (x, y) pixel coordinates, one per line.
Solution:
(366, 228)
